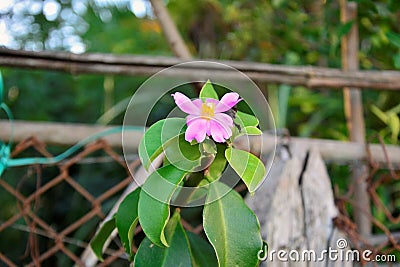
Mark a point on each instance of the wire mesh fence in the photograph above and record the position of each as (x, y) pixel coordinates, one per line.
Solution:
(50, 213)
(384, 191)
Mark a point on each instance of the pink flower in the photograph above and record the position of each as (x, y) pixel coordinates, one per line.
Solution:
(207, 118)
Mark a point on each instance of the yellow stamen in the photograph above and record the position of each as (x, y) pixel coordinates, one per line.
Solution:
(207, 110)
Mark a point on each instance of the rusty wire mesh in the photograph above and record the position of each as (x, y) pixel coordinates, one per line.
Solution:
(382, 180)
(43, 241)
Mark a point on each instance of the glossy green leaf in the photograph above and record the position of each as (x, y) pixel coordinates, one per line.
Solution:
(177, 254)
(198, 194)
(203, 254)
(156, 138)
(101, 237)
(244, 119)
(208, 146)
(127, 218)
(231, 227)
(217, 167)
(208, 91)
(154, 201)
(251, 130)
(182, 154)
(247, 166)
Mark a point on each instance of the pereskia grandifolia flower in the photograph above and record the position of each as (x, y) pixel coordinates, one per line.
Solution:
(207, 117)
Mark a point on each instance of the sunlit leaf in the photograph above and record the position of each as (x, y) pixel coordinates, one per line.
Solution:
(247, 166)
(251, 130)
(157, 137)
(380, 114)
(231, 227)
(394, 124)
(208, 91)
(244, 119)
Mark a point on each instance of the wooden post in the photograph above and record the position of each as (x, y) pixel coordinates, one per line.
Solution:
(354, 115)
(175, 40)
(295, 207)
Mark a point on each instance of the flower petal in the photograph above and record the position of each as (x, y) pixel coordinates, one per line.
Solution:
(186, 105)
(191, 118)
(227, 102)
(212, 100)
(224, 119)
(219, 132)
(196, 130)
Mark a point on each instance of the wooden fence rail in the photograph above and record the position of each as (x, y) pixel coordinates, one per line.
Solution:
(69, 134)
(309, 76)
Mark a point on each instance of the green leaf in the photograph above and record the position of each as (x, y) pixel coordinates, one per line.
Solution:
(231, 227)
(344, 29)
(177, 254)
(208, 146)
(182, 154)
(198, 194)
(394, 124)
(247, 166)
(396, 60)
(208, 91)
(156, 138)
(244, 119)
(101, 237)
(154, 201)
(394, 38)
(395, 109)
(217, 167)
(380, 114)
(127, 218)
(251, 130)
(202, 252)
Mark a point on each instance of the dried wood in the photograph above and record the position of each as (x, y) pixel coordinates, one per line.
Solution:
(295, 206)
(68, 134)
(309, 76)
(170, 30)
(354, 115)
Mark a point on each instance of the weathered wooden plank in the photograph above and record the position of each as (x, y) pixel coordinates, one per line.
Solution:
(309, 76)
(68, 134)
(295, 206)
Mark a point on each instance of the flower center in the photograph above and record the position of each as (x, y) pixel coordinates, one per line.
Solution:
(207, 110)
